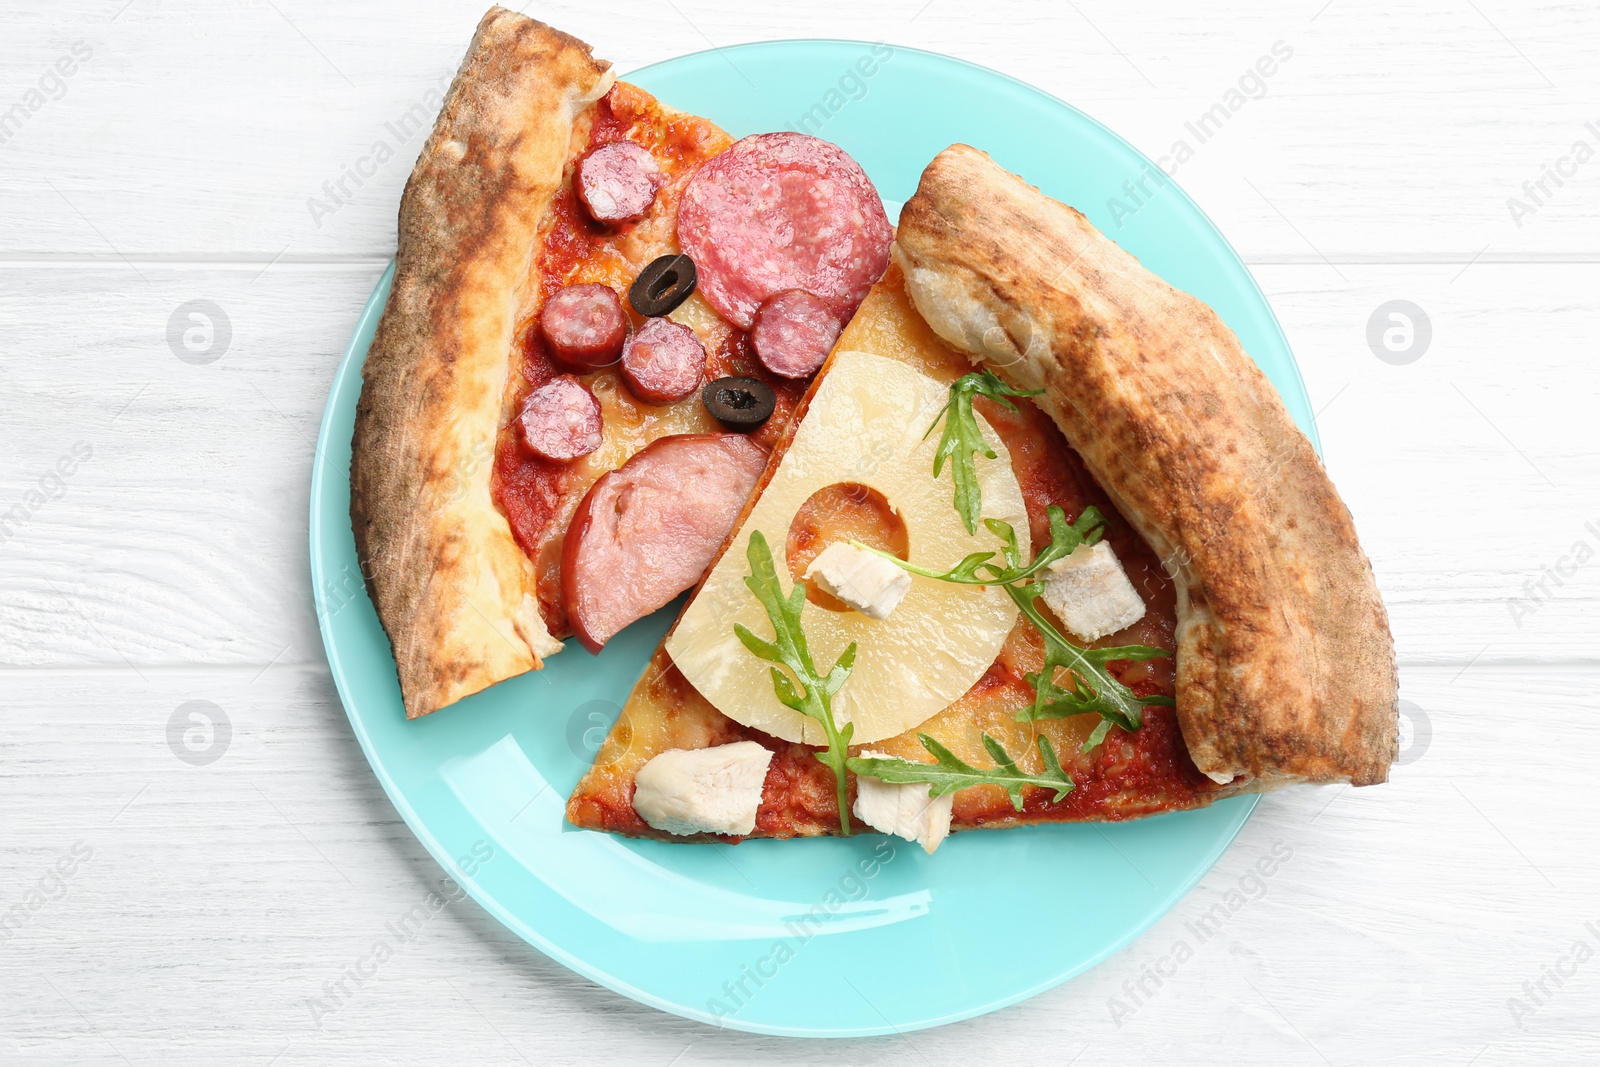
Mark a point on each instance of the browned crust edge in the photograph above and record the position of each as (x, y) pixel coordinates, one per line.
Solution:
(454, 591)
(1286, 668)
(664, 705)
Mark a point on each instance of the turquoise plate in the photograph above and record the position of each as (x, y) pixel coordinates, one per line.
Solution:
(819, 938)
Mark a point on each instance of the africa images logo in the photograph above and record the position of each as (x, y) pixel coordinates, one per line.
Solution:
(50, 886)
(398, 933)
(51, 85)
(199, 732)
(741, 988)
(1250, 887)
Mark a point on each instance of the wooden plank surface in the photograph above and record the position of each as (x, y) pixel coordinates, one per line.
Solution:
(1387, 133)
(188, 520)
(160, 556)
(217, 900)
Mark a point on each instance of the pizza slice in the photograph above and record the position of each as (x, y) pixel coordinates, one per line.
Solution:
(1126, 774)
(592, 340)
(1254, 651)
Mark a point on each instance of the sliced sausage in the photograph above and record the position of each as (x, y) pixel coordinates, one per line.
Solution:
(648, 530)
(793, 333)
(584, 325)
(783, 211)
(617, 182)
(663, 362)
(560, 420)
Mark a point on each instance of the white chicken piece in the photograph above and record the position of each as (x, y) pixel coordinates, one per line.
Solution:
(1090, 592)
(864, 580)
(903, 810)
(703, 791)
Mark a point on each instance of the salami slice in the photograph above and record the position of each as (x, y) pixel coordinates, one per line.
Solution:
(663, 362)
(560, 420)
(617, 182)
(793, 333)
(584, 325)
(781, 211)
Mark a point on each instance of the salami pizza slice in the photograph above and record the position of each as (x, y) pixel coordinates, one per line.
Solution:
(545, 327)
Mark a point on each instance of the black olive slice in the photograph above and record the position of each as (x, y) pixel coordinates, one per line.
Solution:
(739, 403)
(662, 286)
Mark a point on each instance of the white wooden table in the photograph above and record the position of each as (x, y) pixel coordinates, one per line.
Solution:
(158, 557)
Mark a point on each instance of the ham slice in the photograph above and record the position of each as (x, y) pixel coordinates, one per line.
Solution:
(649, 529)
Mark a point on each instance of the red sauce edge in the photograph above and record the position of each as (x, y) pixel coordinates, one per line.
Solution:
(530, 490)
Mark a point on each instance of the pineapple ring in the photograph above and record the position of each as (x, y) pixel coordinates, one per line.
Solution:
(865, 424)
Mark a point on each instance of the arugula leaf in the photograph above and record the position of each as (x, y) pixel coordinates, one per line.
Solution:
(1097, 735)
(980, 569)
(814, 697)
(1089, 687)
(949, 773)
(962, 439)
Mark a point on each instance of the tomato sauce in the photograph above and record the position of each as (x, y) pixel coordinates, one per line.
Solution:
(1127, 775)
(538, 496)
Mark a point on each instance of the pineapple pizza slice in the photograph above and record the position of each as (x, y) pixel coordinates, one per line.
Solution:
(704, 744)
(862, 654)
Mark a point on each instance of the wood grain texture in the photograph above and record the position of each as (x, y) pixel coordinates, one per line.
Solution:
(1386, 133)
(169, 565)
(1401, 919)
(181, 540)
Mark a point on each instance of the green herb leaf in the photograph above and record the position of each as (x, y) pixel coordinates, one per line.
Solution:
(814, 696)
(949, 773)
(980, 569)
(962, 439)
(1089, 687)
(1096, 736)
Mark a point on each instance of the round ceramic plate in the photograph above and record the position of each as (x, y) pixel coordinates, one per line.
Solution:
(807, 937)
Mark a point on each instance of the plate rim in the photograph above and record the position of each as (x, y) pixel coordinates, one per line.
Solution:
(317, 520)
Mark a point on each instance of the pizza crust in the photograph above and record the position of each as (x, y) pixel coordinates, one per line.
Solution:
(1128, 776)
(454, 591)
(1286, 668)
